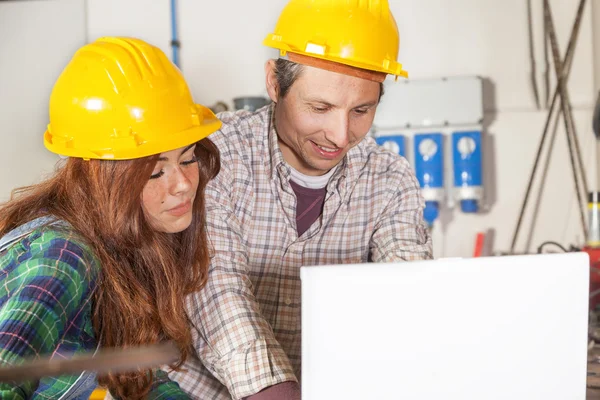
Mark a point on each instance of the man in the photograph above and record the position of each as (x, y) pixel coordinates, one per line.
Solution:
(300, 185)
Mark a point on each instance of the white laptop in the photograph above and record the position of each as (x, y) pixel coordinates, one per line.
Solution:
(497, 328)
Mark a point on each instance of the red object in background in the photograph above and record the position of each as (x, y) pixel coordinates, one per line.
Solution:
(479, 245)
(594, 253)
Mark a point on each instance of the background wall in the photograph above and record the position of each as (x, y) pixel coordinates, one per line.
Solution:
(34, 49)
(222, 57)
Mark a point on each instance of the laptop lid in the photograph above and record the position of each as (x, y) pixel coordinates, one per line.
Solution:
(501, 328)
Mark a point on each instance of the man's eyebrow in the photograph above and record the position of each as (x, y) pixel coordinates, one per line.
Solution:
(319, 100)
(328, 104)
(368, 104)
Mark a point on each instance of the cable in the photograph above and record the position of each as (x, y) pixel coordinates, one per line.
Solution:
(541, 246)
(571, 248)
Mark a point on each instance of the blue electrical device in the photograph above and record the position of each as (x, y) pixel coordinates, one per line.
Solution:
(429, 168)
(467, 164)
(393, 143)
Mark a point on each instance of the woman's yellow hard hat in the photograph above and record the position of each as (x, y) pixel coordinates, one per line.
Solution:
(122, 98)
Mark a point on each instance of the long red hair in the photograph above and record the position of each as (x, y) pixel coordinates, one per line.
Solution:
(145, 275)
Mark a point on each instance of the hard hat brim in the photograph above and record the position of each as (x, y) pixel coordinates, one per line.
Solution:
(208, 125)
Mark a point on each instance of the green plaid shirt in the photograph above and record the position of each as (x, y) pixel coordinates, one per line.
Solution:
(46, 282)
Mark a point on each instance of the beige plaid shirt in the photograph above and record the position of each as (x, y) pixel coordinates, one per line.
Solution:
(247, 319)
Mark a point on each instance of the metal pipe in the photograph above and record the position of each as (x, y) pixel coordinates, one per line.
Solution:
(546, 67)
(533, 72)
(174, 40)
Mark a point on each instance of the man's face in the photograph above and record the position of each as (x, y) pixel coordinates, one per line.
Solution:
(322, 116)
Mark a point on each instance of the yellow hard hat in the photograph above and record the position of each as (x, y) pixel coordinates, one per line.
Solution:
(121, 98)
(358, 33)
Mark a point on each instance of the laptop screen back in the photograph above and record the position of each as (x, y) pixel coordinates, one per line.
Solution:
(482, 328)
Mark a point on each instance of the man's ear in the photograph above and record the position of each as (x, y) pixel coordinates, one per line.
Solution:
(271, 81)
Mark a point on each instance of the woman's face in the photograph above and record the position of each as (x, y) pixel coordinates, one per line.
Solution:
(168, 197)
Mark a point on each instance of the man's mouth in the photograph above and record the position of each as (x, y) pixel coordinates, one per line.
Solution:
(327, 152)
(328, 149)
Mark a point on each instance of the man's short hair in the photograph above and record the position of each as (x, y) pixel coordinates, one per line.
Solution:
(287, 72)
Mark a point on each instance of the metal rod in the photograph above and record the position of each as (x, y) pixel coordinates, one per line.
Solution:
(565, 103)
(546, 65)
(566, 72)
(555, 126)
(533, 77)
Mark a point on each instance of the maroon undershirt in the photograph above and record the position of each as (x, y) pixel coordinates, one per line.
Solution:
(309, 207)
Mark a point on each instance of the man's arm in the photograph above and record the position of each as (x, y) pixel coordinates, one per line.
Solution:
(401, 233)
(282, 391)
(233, 340)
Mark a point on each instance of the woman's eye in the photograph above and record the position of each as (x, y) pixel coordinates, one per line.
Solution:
(188, 162)
(157, 175)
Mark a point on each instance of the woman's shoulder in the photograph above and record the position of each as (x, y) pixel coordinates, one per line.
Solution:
(51, 249)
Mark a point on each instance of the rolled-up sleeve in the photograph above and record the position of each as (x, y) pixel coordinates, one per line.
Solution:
(401, 233)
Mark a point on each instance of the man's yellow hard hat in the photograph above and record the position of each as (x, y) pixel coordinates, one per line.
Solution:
(358, 33)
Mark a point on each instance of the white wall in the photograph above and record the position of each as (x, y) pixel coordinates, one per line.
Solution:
(222, 57)
(221, 52)
(34, 48)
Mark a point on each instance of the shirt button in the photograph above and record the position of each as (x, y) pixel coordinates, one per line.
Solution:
(288, 301)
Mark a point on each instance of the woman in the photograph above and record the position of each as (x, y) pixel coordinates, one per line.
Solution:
(103, 253)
